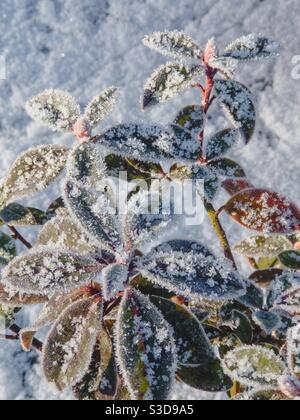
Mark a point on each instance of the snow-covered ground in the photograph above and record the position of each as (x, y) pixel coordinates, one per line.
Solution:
(84, 46)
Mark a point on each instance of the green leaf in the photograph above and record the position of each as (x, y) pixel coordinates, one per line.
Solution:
(283, 292)
(290, 259)
(54, 108)
(173, 44)
(242, 327)
(226, 167)
(148, 143)
(267, 321)
(8, 248)
(238, 103)
(211, 377)
(46, 272)
(102, 105)
(254, 297)
(263, 246)
(191, 118)
(95, 214)
(62, 232)
(7, 318)
(69, 346)
(252, 47)
(135, 169)
(221, 143)
(188, 268)
(32, 172)
(17, 215)
(167, 82)
(145, 348)
(254, 366)
(55, 208)
(264, 211)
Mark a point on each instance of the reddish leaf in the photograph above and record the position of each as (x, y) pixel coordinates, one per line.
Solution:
(234, 186)
(264, 211)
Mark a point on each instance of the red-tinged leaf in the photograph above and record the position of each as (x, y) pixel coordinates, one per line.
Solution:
(234, 186)
(264, 277)
(264, 211)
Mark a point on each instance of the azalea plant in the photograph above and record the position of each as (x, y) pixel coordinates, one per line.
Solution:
(129, 312)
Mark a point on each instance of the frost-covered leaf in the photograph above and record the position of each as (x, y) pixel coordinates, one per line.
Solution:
(95, 214)
(263, 395)
(252, 47)
(290, 259)
(264, 211)
(86, 165)
(168, 81)
(189, 269)
(225, 65)
(293, 340)
(238, 324)
(226, 167)
(254, 297)
(254, 366)
(8, 248)
(48, 271)
(263, 246)
(70, 344)
(142, 222)
(18, 300)
(290, 386)
(7, 317)
(173, 44)
(220, 143)
(238, 103)
(100, 381)
(284, 292)
(210, 378)
(265, 277)
(101, 105)
(234, 186)
(145, 348)
(55, 109)
(56, 207)
(191, 118)
(62, 232)
(114, 278)
(17, 215)
(32, 172)
(49, 314)
(135, 169)
(199, 175)
(148, 143)
(187, 146)
(267, 321)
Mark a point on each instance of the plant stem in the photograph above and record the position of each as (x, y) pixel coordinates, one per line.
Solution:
(211, 212)
(218, 228)
(17, 236)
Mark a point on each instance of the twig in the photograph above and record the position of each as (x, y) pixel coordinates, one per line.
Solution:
(8, 337)
(17, 236)
(36, 344)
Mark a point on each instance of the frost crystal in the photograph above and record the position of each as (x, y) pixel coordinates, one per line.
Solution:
(114, 278)
(252, 47)
(168, 81)
(54, 108)
(48, 271)
(145, 348)
(101, 105)
(221, 143)
(264, 246)
(33, 171)
(189, 269)
(173, 44)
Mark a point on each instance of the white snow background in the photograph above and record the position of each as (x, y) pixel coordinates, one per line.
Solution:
(84, 46)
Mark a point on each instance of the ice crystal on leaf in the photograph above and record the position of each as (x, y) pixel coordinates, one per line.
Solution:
(264, 246)
(173, 44)
(8, 249)
(69, 346)
(267, 321)
(32, 172)
(191, 118)
(221, 143)
(238, 103)
(168, 81)
(54, 108)
(252, 47)
(254, 366)
(114, 278)
(101, 105)
(226, 66)
(145, 348)
(264, 211)
(189, 269)
(17, 299)
(294, 350)
(47, 271)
